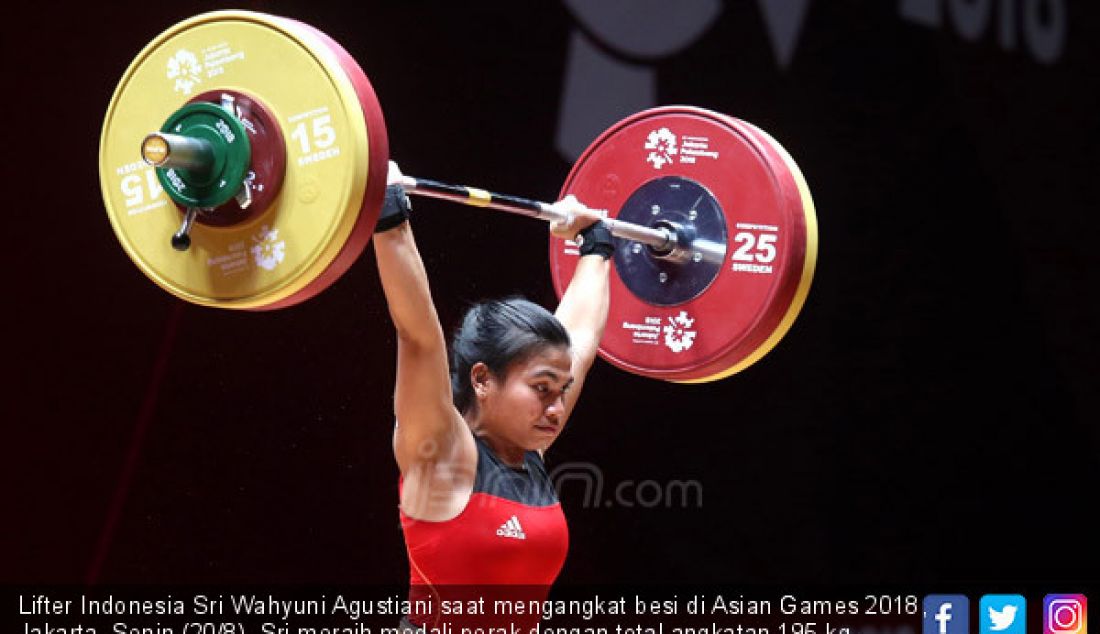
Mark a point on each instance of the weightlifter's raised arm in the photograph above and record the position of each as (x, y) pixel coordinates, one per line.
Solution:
(422, 393)
(584, 305)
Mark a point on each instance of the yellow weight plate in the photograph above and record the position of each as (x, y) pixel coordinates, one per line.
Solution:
(300, 80)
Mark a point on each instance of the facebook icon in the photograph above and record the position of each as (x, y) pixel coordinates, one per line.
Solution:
(946, 614)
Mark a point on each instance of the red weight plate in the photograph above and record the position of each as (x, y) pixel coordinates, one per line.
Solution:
(728, 317)
(268, 165)
(378, 146)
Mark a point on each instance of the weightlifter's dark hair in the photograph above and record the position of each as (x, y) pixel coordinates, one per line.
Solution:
(498, 333)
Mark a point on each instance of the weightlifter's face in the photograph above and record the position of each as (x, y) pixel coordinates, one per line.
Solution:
(527, 407)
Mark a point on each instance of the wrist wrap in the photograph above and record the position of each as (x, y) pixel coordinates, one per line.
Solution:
(395, 209)
(596, 238)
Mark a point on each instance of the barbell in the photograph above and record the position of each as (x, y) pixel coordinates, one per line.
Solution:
(243, 163)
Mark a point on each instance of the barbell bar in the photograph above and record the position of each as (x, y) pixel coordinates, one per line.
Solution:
(196, 155)
(663, 240)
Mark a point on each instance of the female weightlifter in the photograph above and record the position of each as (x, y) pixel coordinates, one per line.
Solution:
(477, 507)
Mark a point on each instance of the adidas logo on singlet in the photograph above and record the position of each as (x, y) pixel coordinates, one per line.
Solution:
(512, 529)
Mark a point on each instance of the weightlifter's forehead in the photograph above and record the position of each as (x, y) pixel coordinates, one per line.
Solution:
(554, 363)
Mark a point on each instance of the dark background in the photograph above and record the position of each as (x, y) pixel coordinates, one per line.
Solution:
(930, 418)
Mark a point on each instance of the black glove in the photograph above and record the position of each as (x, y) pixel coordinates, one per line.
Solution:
(596, 238)
(395, 209)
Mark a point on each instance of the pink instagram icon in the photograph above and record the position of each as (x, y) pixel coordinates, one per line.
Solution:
(1065, 614)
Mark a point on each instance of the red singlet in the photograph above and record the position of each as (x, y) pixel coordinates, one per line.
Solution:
(512, 532)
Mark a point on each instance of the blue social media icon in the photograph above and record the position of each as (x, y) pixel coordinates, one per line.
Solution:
(1002, 614)
(946, 614)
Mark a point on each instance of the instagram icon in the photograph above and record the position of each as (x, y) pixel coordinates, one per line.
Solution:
(1065, 614)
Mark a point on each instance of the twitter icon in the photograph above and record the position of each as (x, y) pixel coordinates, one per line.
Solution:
(1002, 614)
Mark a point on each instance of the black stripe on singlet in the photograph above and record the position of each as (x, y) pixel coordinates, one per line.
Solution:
(530, 485)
